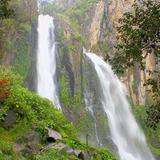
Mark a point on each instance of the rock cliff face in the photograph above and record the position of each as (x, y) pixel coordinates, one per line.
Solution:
(134, 79)
(77, 73)
(91, 27)
(17, 45)
(90, 24)
(95, 29)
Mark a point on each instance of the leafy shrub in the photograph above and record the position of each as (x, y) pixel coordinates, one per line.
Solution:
(4, 91)
(35, 110)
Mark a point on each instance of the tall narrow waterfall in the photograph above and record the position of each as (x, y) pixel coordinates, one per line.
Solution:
(125, 132)
(46, 60)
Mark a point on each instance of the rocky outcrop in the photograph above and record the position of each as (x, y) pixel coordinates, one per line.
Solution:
(91, 25)
(74, 68)
(116, 9)
(32, 144)
(53, 135)
(134, 79)
(29, 143)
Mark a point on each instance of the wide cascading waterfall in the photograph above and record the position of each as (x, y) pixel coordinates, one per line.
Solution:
(125, 132)
(46, 60)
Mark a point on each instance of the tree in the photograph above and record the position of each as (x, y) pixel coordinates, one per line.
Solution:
(5, 10)
(139, 36)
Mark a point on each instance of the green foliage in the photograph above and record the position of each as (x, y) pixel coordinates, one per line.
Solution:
(104, 47)
(97, 154)
(73, 13)
(55, 155)
(152, 135)
(65, 95)
(9, 137)
(7, 29)
(80, 8)
(103, 120)
(36, 113)
(48, 8)
(139, 37)
(5, 10)
(6, 73)
(70, 14)
(25, 28)
(83, 6)
(153, 113)
(71, 47)
(15, 31)
(35, 110)
(138, 32)
(22, 62)
(70, 21)
(104, 154)
(86, 123)
(79, 38)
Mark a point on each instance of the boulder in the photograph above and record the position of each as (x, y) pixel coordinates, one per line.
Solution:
(29, 143)
(70, 151)
(9, 120)
(53, 135)
(77, 152)
(85, 155)
(34, 142)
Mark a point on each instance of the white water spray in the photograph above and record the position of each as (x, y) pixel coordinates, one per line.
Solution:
(125, 132)
(46, 60)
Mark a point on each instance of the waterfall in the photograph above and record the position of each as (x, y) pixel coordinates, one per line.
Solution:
(46, 60)
(89, 108)
(125, 132)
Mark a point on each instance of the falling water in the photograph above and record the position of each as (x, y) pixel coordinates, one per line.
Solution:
(125, 132)
(46, 60)
(89, 108)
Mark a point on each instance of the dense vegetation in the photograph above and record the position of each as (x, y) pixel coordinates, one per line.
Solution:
(152, 135)
(16, 19)
(30, 114)
(139, 37)
(5, 10)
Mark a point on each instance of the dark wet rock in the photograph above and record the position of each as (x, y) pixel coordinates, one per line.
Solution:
(29, 143)
(9, 120)
(34, 142)
(85, 155)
